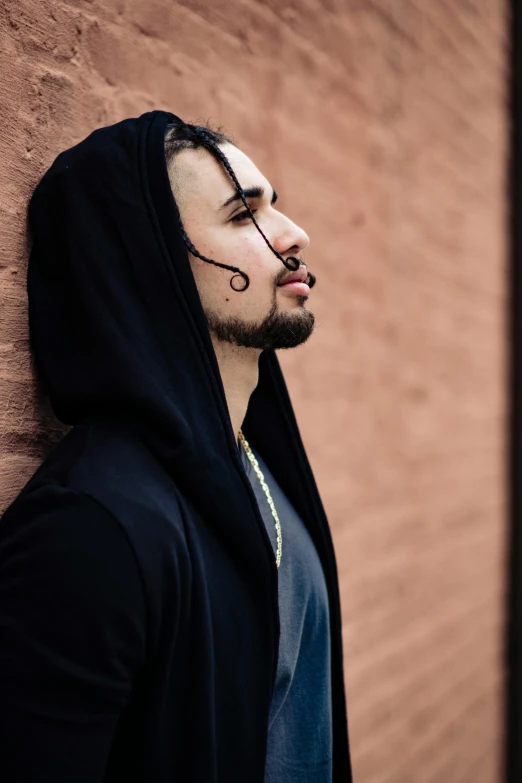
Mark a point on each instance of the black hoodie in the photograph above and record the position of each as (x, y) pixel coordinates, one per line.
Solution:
(138, 589)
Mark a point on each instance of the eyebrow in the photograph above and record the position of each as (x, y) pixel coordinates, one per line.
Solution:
(255, 192)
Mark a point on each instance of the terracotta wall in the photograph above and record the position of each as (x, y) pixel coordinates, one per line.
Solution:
(382, 123)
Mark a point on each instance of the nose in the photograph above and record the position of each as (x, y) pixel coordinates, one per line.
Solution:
(291, 239)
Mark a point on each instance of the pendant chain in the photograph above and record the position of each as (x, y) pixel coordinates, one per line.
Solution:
(259, 474)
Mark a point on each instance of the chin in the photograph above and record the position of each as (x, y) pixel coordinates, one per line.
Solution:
(299, 301)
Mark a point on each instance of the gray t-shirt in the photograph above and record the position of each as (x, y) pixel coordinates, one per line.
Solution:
(300, 726)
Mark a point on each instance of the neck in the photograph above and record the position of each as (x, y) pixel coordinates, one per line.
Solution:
(239, 368)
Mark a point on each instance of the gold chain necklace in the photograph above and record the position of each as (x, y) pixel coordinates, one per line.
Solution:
(259, 474)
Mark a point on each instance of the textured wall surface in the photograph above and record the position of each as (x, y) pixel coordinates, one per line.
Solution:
(382, 124)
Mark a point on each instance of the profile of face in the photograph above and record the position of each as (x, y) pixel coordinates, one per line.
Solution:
(270, 313)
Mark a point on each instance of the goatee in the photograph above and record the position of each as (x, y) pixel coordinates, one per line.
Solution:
(278, 330)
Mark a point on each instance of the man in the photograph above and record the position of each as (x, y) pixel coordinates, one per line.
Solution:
(169, 606)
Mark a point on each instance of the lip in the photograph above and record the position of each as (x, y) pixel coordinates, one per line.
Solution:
(297, 287)
(299, 276)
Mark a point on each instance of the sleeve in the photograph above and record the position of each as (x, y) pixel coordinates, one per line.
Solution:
(72, 636)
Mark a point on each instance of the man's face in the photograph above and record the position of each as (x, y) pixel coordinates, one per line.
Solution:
(267, 314)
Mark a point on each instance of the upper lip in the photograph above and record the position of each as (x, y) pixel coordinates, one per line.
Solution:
(299, 276)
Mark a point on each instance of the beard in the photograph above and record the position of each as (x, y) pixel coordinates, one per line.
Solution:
(279, 329)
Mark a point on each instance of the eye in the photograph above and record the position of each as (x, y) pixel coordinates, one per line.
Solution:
(242, 216)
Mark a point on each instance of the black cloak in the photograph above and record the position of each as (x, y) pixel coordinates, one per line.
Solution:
(138, 589)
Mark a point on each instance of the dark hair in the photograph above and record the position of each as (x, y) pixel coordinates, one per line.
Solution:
(180, 136)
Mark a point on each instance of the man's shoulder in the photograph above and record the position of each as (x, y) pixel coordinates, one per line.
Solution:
(109, 463)
(66, 543)
(97, 478)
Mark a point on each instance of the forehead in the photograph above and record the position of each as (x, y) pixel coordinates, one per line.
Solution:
(196, 174)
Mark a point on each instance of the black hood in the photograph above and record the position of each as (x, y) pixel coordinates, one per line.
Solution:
(116, 323)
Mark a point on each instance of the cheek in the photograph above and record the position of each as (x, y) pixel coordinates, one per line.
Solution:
(252, 255)
(240, 246)
(248, 252)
